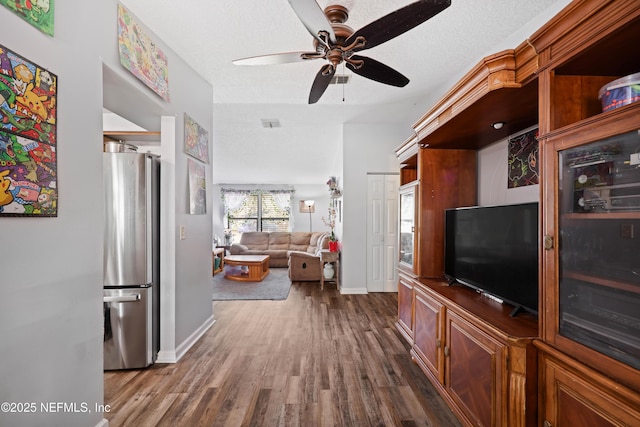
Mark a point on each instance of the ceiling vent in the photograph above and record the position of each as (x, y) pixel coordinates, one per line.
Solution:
(270, 123)
(340, 79)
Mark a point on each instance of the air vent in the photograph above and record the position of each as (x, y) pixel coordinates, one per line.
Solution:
(340, 79)
(270, 123)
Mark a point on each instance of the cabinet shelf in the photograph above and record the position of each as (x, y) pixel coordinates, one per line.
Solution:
(610, 51)
(607, 282)
(588, 216)
(585, 47)
(133, 136)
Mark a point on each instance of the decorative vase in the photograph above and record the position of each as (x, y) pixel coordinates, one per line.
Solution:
(333, 246)
(328, 271)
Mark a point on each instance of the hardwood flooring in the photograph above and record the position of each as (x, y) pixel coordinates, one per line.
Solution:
(317, 359)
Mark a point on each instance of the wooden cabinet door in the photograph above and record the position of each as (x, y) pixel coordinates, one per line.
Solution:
(447, 180)
(405, 307)
(475, 371)
(407, 218)
(575, 399)
(591, 290)
(429, 333)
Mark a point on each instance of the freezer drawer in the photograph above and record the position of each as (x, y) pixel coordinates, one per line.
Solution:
(128, 328)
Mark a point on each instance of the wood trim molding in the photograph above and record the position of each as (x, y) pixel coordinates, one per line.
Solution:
(586, 371)
(407, 149)
(494, 72)
(527, 62)
(565, 34)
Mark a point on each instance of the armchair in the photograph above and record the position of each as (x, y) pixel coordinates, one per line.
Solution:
(304, 267)
(307, 266)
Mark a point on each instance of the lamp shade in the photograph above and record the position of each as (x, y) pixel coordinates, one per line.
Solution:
(307, 206)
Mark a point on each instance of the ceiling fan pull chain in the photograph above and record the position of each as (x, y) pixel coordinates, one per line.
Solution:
(343, 73)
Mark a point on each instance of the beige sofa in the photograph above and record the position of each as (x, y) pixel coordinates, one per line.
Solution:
(279, 245)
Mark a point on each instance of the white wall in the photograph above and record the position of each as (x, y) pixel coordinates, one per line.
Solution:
(493, 172)
(51, 280)
(368, 148)
(319, 193)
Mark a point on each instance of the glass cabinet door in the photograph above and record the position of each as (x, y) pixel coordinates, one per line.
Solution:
(599, 247)
(407, 225)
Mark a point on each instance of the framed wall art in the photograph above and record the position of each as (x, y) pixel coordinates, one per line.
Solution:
(28, 161)
(197, 188)
(141, 55)
(196, 140)
(523, 159)
(38, 13)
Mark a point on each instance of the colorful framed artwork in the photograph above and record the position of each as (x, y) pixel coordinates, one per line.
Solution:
(141, 55)
(197, 188)
(523, 159)
(38, 13)
(196, 139)
(28, 161)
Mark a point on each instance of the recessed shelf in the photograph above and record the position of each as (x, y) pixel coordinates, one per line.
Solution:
(133, 136)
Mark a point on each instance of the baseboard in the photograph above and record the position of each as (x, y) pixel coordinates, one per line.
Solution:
(353, 291)
(103, 423)
(165, 356)
(174, 356)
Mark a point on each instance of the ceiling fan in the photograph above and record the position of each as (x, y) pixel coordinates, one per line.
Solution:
(336, 42)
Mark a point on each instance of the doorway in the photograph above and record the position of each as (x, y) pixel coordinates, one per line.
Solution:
(140, 120)
(382, 231)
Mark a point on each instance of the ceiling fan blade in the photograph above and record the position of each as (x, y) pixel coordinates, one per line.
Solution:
(277, 58)
(313, 18)
(398, 22)
(321, 82)
(377, 71)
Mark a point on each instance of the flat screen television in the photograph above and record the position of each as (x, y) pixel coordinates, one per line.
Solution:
(494, 249)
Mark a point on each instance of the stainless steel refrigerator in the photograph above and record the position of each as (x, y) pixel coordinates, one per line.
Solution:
(131, 260)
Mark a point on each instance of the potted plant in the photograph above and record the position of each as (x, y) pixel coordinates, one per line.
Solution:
(330, 222)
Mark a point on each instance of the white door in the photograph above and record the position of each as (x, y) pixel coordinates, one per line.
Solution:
(382, 232)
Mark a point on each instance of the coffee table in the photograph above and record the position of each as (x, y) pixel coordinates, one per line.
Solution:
(253, 268)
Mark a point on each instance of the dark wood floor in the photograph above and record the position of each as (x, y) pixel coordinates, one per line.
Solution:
(317, 359)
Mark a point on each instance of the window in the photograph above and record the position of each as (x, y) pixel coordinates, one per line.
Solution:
(257, 210)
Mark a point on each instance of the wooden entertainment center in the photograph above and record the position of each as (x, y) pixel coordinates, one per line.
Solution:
(557, 369)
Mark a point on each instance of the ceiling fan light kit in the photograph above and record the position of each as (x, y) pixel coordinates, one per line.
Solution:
(337, 43)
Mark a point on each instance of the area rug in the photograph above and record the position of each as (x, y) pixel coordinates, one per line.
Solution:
(273, 287)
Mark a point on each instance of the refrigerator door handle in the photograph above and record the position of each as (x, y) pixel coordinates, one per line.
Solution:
(149, 219)
(122, 298)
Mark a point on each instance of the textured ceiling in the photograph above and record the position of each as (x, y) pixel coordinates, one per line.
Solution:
(209, 34)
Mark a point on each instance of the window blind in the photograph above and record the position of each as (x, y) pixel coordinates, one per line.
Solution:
(257, 210)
